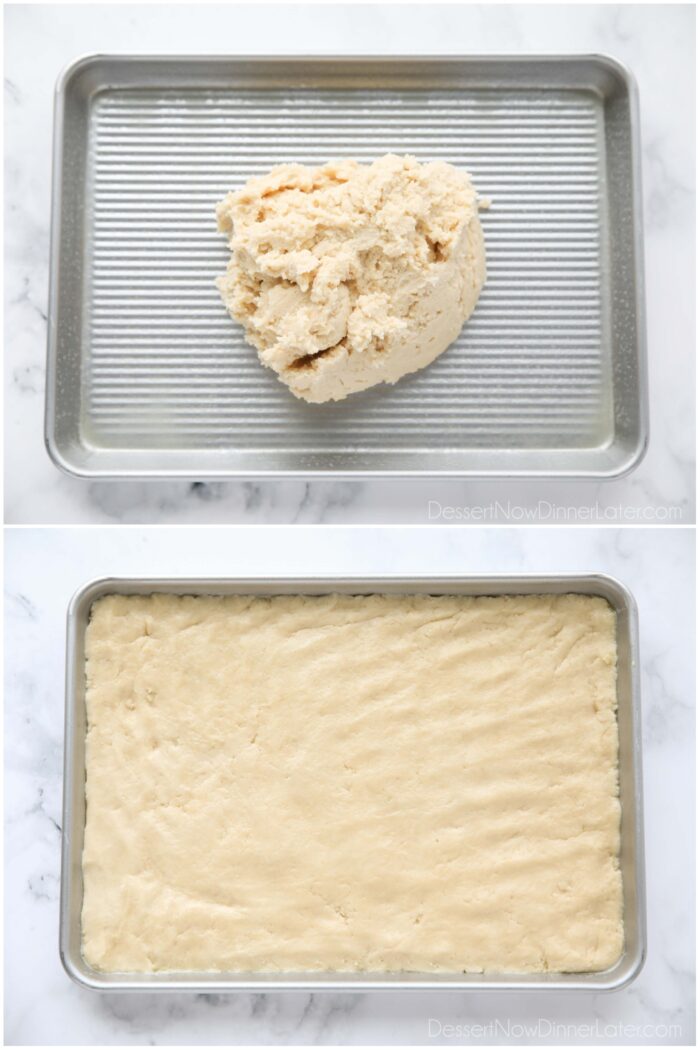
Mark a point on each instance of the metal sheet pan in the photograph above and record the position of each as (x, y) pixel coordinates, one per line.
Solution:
(147, 375)
(631, 855)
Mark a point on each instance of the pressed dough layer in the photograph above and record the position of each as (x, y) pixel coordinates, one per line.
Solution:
(348, 783)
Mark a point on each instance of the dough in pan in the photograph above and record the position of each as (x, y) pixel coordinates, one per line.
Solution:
(342, 783)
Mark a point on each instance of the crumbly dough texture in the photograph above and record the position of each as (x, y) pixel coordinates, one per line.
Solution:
(352, 783)
(349, 275)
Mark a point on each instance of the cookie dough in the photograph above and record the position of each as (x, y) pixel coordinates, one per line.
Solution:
(346, 783)
(348, 275)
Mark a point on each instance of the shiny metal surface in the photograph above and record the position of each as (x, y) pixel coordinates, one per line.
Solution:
(147, 375)
(632, 848)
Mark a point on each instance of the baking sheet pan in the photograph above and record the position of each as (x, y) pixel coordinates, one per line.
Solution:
(631, 848)
(148, 376)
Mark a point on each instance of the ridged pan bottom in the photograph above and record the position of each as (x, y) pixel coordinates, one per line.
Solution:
(167, 369)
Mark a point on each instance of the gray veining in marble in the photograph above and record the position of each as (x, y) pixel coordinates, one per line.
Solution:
(44, 567)
(657, 42)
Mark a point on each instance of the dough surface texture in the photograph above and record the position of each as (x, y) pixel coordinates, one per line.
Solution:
(352, 783)
(349, 275)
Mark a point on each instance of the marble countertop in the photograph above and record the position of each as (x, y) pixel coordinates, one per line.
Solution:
(45, 566)
(652, 40)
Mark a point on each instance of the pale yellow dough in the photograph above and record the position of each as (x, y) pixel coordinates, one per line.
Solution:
(352, 783)
(349, 275)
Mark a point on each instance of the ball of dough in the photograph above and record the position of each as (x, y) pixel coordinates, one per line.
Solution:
(349, 275)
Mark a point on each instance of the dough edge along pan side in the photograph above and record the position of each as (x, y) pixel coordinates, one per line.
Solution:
(630, 780)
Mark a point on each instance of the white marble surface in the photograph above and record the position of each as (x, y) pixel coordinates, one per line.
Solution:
(44, 567)
(657, 42)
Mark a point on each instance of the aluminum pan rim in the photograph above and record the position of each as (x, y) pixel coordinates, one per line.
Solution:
(621, 470)
(593, 583)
